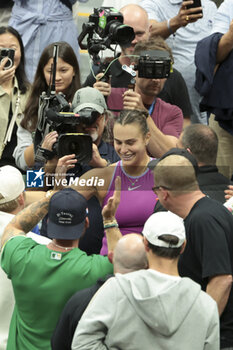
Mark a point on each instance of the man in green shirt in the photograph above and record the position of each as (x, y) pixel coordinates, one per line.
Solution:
(45, 277)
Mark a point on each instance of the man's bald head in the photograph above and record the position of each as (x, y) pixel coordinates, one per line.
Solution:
(137, 11)
(176, 173)
(137, 18)
(129, 254)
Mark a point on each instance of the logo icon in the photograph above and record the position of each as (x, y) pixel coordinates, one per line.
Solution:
(133, 188)
(35, 178)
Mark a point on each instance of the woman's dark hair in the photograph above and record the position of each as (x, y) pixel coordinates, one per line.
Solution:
(20, 71)
(128, 116)
(66, 53)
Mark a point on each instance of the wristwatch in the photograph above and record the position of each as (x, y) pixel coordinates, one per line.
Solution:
(43, 154)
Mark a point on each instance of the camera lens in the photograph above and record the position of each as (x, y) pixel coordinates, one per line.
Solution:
(121, 33)
(9, 53)
(79, 144)
(73, 147)
(8, 64)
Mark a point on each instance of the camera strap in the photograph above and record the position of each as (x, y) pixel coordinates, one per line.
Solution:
(13, 119)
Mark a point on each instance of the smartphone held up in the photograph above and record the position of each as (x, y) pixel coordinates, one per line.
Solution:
(195, 4)
(10, 54)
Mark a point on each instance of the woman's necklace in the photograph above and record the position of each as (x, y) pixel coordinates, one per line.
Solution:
(134, 181)
(66, 248)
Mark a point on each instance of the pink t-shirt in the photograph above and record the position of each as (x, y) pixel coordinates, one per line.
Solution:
(168, 118)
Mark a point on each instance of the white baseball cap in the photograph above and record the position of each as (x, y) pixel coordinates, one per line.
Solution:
(11, 183)
(163, 223)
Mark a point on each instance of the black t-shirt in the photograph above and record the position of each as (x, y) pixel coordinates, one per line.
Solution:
(175, 90)
(119, 77)
(209, 252)
(212, 183)
(71, 315)
(7, 155)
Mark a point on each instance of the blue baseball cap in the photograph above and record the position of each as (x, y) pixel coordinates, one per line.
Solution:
(66, 215)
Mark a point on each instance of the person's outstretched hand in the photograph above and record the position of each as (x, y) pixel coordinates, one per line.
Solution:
(109, 210)
(63, 165)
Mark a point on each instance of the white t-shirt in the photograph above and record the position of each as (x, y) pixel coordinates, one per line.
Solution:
(223, 17)
(118, 4)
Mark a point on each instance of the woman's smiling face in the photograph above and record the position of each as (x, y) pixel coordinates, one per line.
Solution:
(129, 143)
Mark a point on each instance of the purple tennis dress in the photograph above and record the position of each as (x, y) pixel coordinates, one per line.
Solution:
(137, 201)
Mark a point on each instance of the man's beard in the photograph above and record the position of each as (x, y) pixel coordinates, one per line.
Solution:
(94, 135)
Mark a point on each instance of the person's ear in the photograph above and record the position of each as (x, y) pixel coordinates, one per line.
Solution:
(150, 29)
(183, 247)
(87, 223)
(21, 200)
(110, 256)
(147, 138)
(145, 241)
(165, 193)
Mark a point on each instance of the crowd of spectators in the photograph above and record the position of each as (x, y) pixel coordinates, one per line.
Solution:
(116, 195)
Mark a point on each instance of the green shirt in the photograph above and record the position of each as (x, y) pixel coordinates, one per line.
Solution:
(43, 280)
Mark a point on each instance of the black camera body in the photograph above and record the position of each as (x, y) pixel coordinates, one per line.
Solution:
(65, 123)
(10, 54)
(154, 64)
(54, 114)
(109, 23)
(105, 27)
(69, 139)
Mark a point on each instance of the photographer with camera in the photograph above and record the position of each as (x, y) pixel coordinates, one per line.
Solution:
(174, 90)
(67, 81)
(93, 121)
(14, 91)
(165, 121)
(92, 108)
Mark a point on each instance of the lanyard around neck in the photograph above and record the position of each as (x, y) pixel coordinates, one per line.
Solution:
(152, 106)
(13, 120)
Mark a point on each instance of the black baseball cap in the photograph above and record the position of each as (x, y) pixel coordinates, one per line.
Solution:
(66, 215)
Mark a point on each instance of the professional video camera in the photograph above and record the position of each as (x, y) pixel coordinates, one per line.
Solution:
(152, 64)
(54, 114)
(105, 27)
